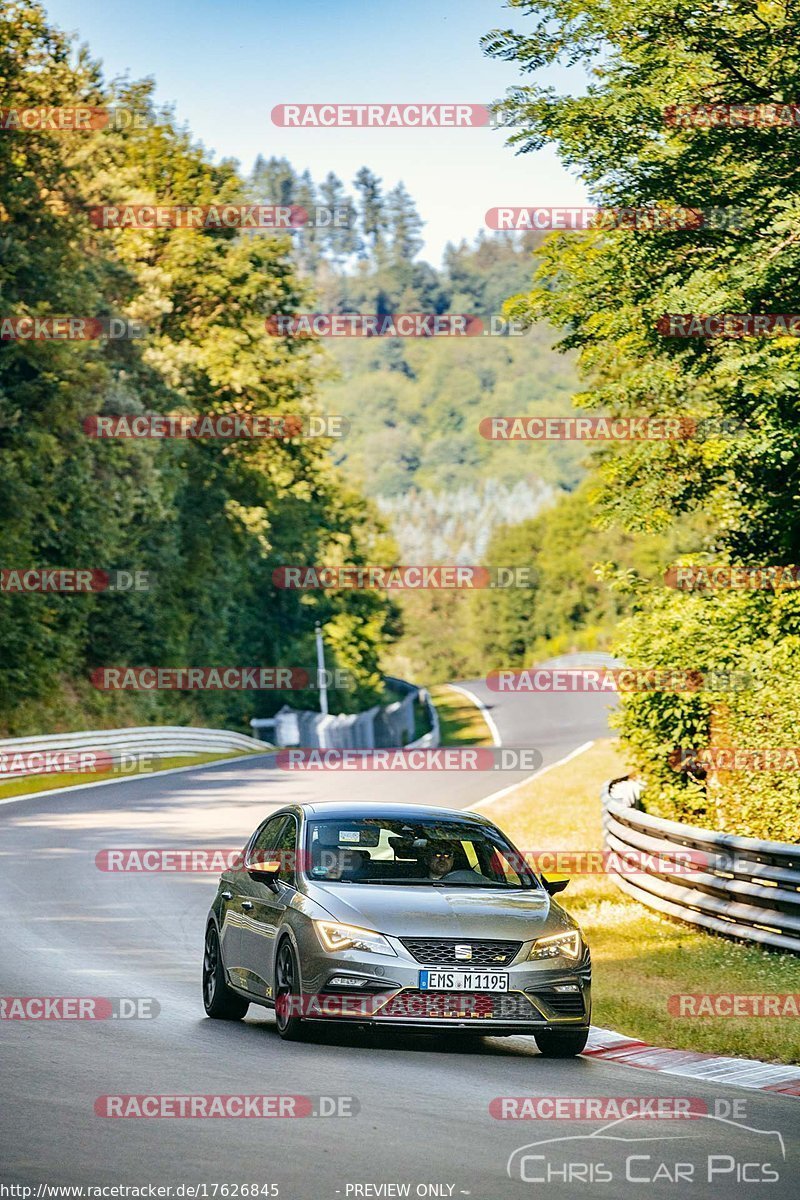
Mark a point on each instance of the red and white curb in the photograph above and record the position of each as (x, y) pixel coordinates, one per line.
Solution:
(739, 1072)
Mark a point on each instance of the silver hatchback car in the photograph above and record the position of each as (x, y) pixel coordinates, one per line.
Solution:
(398, 915)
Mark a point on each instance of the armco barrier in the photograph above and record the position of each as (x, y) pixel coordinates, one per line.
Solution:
(748, 889)
(390, 725)
(432, 738)
(160, 741)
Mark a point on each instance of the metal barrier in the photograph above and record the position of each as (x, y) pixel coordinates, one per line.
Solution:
(160, 741)
(433, 737)
(390, 725)
(744, 888)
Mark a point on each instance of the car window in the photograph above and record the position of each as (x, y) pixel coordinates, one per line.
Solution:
(505, 864)
(287, 847)
(267, 838)
(445, 853)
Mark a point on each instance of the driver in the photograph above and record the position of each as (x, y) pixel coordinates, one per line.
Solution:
(438, 859)
(340, 863)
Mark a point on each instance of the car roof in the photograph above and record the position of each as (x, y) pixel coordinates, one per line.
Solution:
(364, 808)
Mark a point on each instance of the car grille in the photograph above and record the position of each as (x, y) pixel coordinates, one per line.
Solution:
(566, 1004)
(432, 1006)
(442, 952)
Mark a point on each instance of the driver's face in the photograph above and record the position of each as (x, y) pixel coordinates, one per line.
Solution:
(340, 861)
(440, 862)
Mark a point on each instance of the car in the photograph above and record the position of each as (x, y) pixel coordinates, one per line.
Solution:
(395, 915)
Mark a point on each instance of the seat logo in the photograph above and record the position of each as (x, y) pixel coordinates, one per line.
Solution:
(463, 953)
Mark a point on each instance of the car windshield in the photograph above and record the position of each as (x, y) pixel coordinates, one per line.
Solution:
(438, 853)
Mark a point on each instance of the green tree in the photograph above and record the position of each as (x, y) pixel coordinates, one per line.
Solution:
(273, 181)
(404, 225)
(339, 237)
(210, 520)
(606, 290)
(372, 211)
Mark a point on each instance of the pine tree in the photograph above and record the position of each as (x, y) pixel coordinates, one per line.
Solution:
(340, 237)
(405, 225)
(372, 212)
(274, 181)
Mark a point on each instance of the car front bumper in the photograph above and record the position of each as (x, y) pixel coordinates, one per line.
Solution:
(385, 990)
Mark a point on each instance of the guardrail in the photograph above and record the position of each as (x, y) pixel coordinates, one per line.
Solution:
(160, 741)
(379, 726)
(433, 737)
(745, 888)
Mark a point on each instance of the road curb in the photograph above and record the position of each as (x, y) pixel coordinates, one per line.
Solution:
(614, 1047)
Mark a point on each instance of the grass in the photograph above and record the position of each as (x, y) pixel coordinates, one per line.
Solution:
(52, 782)
(460, 720)
(641, 959)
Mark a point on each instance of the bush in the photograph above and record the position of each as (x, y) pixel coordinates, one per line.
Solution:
(750, 635)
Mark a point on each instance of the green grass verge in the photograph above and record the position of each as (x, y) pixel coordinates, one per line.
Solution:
(48, 783)
(460, 720)
(641, 959)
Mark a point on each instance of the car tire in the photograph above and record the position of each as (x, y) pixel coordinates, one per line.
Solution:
(561, 1043)
(287, 989)
(219, 1000)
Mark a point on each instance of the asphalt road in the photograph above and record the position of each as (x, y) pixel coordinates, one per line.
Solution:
(423, 1117)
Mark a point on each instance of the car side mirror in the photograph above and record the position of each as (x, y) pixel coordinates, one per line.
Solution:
(554, 885)
(264, 871)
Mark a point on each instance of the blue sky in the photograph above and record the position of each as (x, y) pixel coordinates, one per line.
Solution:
(224, 65)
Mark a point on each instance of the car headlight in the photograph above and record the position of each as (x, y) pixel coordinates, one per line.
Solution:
(567, 944)
(335, 936)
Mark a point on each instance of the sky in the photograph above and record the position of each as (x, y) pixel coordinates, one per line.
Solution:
(225, 65)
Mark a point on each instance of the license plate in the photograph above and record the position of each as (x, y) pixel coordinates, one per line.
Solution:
(463, 981)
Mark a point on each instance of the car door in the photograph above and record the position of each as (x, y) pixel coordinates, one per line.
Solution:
(237, 901)
(264, 906)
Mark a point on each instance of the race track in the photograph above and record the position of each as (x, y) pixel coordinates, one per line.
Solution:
(71, 929)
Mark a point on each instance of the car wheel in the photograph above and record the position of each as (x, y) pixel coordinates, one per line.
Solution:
(287, 994)
(218, 999)
(561, 1043)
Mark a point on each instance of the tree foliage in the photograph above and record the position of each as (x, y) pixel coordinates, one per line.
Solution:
(606, 289)
(209, 520)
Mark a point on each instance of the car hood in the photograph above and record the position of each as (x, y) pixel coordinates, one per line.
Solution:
(443, 912)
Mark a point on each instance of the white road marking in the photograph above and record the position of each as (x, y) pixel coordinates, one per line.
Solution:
(506, 791)
(79, 787)
(487, 716)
